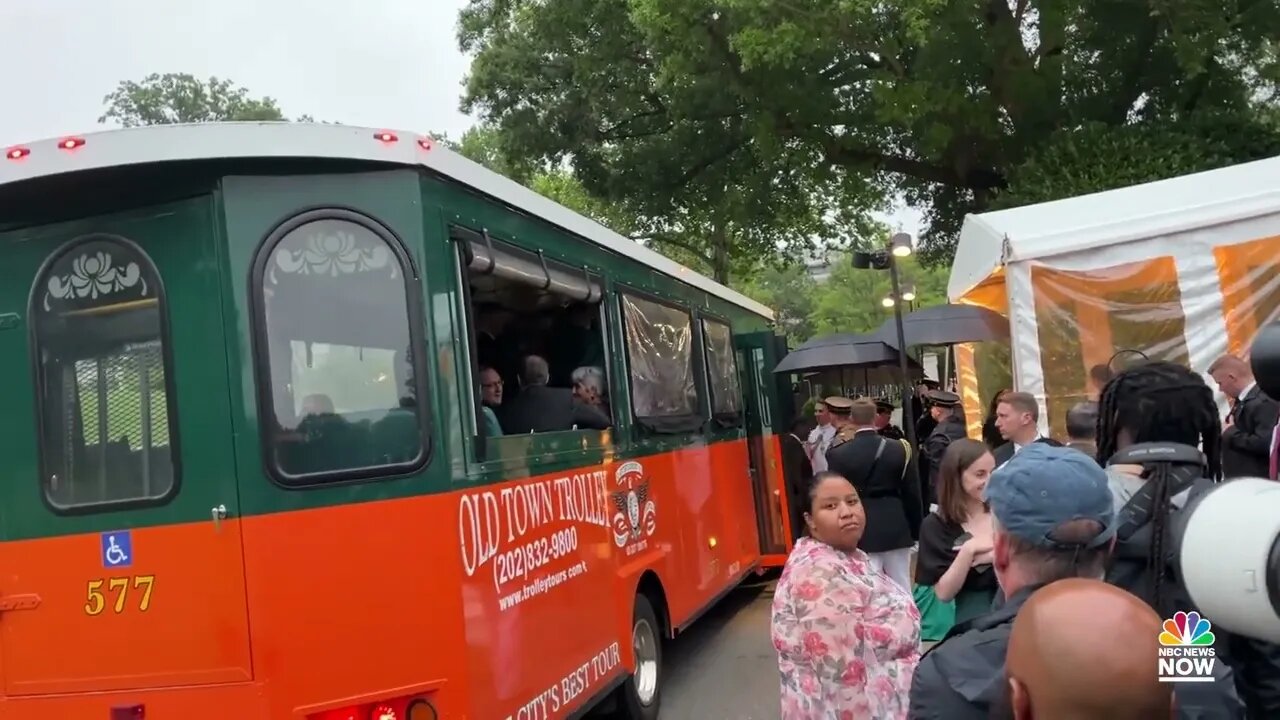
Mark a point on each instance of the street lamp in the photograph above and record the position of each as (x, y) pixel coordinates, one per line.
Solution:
(899, 246)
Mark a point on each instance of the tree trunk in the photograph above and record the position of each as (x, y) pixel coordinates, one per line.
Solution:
(720, 252)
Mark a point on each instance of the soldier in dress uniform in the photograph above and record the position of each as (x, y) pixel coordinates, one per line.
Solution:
(884, 476)
(884, 425)
(944, 407)
(840, 407)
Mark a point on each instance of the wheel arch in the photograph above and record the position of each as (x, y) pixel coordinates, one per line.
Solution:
(651, 587)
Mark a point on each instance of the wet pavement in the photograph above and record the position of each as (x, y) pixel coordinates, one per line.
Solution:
(725, 667)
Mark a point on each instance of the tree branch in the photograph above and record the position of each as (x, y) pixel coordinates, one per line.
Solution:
(707, 162)
(1131, 86)
(840, 151)
(664, 239)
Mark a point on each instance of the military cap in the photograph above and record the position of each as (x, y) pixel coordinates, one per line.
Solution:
(930, 384)
(838, 405)
(884, 405)
(942, 398)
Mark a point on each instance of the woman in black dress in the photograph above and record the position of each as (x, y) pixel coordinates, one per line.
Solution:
(954, 579)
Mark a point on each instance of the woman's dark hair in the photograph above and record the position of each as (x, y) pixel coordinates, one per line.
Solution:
(1160, 402)
(995, 401)
(811, 487)
(959, 456)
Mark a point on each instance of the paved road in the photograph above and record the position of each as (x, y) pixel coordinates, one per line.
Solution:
(724, 667)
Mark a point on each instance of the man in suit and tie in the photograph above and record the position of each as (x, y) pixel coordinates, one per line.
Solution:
(539, 408)
(1246, 434)
(885, 478)
(1018, 420)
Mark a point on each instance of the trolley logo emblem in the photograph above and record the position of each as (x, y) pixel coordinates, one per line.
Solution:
(636, 518)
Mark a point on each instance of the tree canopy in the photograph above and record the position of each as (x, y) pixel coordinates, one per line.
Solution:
(752, 125)
(181, 98)
(575, 81)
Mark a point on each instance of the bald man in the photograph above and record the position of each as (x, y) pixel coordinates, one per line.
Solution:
(1246, 433)
(1057, 672)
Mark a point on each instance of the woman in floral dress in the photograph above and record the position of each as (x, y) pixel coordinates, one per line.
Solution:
(848, 637)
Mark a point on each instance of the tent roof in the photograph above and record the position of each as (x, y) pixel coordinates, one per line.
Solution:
(1154, 209)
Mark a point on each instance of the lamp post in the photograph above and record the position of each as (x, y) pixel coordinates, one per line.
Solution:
(886, 259)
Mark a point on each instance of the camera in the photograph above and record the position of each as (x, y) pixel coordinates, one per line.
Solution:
(1229, 544)
(1226, 540)
(1230, 556)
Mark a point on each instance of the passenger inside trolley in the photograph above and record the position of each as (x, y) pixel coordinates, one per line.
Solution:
(540, 351)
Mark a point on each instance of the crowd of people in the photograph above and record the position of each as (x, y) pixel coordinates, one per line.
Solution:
(1019, 540)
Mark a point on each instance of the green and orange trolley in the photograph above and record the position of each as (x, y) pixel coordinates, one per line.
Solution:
(245, 467)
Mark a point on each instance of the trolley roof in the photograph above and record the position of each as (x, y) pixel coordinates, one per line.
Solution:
(214, 141)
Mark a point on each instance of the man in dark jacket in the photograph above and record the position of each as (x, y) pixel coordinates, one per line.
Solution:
(1163, 402)
(539, 408)
(882, 472)
(1082, 428)
(1018, 420)
(796, 471)
(884, 420)
(1055, 671)
(1246, 437)
(944, 407)
(1053, 517)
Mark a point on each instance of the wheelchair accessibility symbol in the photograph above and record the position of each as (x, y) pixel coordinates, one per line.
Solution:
(117, 549)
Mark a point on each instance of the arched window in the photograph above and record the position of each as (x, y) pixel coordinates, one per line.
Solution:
(108, 425)
(338, 361)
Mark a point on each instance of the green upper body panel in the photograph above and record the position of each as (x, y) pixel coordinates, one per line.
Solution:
(203, 227)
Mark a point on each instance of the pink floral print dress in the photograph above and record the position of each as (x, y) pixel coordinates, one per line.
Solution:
(848, 637)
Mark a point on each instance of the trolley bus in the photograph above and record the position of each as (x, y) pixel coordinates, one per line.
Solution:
(253, 456)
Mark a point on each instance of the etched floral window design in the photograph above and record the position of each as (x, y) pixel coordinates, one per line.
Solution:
(339, 351)
(106, 399)
(328, 248)
(93, 274)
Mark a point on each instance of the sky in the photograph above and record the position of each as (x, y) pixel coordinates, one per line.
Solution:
(377, 63)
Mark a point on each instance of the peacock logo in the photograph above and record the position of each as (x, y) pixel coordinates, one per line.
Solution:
(1186, 629)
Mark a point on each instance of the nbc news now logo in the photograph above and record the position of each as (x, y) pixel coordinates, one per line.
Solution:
(1186, 649)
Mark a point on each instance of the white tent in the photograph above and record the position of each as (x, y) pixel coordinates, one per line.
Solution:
(1180, 269)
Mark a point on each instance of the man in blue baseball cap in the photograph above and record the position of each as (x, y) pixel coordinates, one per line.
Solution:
(1053, 517)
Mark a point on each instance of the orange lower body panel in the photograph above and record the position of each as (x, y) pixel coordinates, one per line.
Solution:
(512, 600)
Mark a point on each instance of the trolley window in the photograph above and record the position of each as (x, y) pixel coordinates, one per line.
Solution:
(661, 361)
(339, 374)
(107, 421)
(722, 369)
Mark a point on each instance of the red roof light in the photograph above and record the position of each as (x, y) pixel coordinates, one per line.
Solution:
(425, 143)
(71, 143)
(386, 137)
(17, 153)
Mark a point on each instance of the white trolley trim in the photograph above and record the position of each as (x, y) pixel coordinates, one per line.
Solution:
(212, 141)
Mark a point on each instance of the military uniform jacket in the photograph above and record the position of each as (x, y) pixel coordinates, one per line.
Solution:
(893, 432)
(937, 443)
(887, 485)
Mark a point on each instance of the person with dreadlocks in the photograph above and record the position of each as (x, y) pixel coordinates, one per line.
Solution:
(1168, 403)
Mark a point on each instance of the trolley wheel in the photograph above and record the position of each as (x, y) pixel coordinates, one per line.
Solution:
(640, 696)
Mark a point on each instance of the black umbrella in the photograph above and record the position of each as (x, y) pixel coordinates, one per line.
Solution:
(841, 350)
(946, 325)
